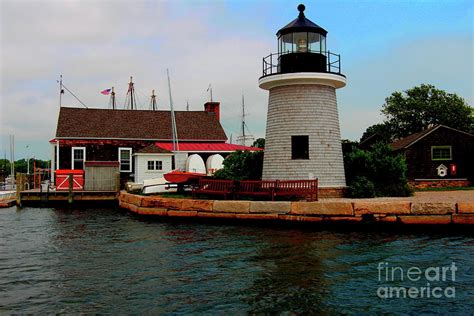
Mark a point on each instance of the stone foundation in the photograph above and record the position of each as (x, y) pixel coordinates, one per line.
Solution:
(439, 183)
(343, 211)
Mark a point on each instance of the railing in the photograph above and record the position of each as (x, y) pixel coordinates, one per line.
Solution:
(271, 63)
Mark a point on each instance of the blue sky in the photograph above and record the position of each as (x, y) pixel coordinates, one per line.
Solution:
(385, 46)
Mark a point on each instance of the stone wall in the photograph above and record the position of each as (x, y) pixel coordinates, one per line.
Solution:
(401, 212)
(296, 110)
(439, 183)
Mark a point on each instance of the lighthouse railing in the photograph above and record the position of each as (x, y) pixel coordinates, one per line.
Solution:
(271, 63)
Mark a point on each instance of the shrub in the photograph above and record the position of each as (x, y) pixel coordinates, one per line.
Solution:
(242, 165)
(378, 169)
(361, 187)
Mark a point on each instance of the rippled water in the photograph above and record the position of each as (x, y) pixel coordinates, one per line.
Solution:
(103, 260)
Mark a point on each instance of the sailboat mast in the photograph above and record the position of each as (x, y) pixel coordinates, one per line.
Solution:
(112, 97)
(243, 121)
(173, 119)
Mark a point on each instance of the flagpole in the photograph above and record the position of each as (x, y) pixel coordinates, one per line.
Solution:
(60, 90)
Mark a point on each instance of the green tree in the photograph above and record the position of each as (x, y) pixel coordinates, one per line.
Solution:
(417, 108)
(259, 143)
(376, 172)
(242, 165)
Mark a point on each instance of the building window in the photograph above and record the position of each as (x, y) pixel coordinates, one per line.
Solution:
(155, 165)
(158, 165)
(441, 153)
(78, 157)
(151, 165)
(299, 147)
(125, 159)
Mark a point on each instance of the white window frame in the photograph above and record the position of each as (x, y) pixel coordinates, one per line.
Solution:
(83, 154)
(129, 149)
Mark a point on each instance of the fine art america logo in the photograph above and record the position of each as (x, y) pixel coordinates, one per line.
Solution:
(434, 280)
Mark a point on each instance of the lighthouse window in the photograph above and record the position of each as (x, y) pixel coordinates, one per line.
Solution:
(314, 43)
(287, 44)
(300, 41)
(300, 147)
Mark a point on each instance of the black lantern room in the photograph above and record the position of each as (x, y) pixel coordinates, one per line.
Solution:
(301, 48)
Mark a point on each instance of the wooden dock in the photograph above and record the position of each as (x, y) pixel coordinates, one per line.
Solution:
(36, 196)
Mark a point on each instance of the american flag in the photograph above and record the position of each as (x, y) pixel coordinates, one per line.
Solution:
(106, 91)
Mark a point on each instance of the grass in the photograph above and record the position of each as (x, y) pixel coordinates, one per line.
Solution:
(445, 189)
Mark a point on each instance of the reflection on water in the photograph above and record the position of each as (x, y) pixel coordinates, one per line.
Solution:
(99, 260)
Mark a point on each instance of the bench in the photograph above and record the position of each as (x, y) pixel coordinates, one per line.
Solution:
(214, 187)
(256, 188)
(306, 188)
(266, 188)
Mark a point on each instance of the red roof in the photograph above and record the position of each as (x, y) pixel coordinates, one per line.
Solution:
(205, 147)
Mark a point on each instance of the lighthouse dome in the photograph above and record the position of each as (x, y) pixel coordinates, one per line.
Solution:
(301, 24)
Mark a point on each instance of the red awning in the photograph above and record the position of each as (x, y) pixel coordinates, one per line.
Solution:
(205, 147)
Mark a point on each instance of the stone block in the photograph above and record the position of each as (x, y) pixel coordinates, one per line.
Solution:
(131, 198)
(425, 219)
(299, 218)
(232, 206)
(197, 205)
(433, 208)
(267, 216)
(152, 211)
(466, 207)
(342, 219)
(465, 219)
(322, 208)
(173, 213)
(270, 207)
(215, 215)
(387, 219)
(389, 207)
(169, 203)
(131, 207)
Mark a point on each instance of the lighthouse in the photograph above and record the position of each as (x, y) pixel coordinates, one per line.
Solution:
(303, 139)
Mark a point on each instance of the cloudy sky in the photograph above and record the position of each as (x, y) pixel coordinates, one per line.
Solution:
(385, 46)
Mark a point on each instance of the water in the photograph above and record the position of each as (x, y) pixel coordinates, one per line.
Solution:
(106, 261)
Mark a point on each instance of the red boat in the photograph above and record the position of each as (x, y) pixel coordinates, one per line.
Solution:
(183, 177)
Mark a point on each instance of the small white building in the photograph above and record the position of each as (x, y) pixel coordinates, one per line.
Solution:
(152, 162)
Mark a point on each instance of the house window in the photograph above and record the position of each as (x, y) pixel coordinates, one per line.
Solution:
(441, 153)
(78, 156)
(299, 147)
(151, 165)
(158, 165)
(125, 155)
(155, 165)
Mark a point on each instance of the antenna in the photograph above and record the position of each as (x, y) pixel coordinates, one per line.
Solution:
(153, 101)
(131, 99)
(173, 119)
(209, 89)
(243, 138)
(61, 90)
(187, 105)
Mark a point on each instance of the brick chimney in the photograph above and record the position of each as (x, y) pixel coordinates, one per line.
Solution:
(213, 107)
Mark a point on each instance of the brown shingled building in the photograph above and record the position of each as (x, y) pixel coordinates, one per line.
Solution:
(438, 156)
(117, 135)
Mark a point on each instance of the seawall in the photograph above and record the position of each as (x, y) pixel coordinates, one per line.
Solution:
(324, 211)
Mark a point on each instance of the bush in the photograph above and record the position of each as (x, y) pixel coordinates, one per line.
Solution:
(379, 170)
(361, 187)
(242, 165)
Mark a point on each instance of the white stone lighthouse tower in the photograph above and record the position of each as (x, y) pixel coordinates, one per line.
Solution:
(303, 139)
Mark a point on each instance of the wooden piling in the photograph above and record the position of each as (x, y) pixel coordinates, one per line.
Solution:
(71, 195)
